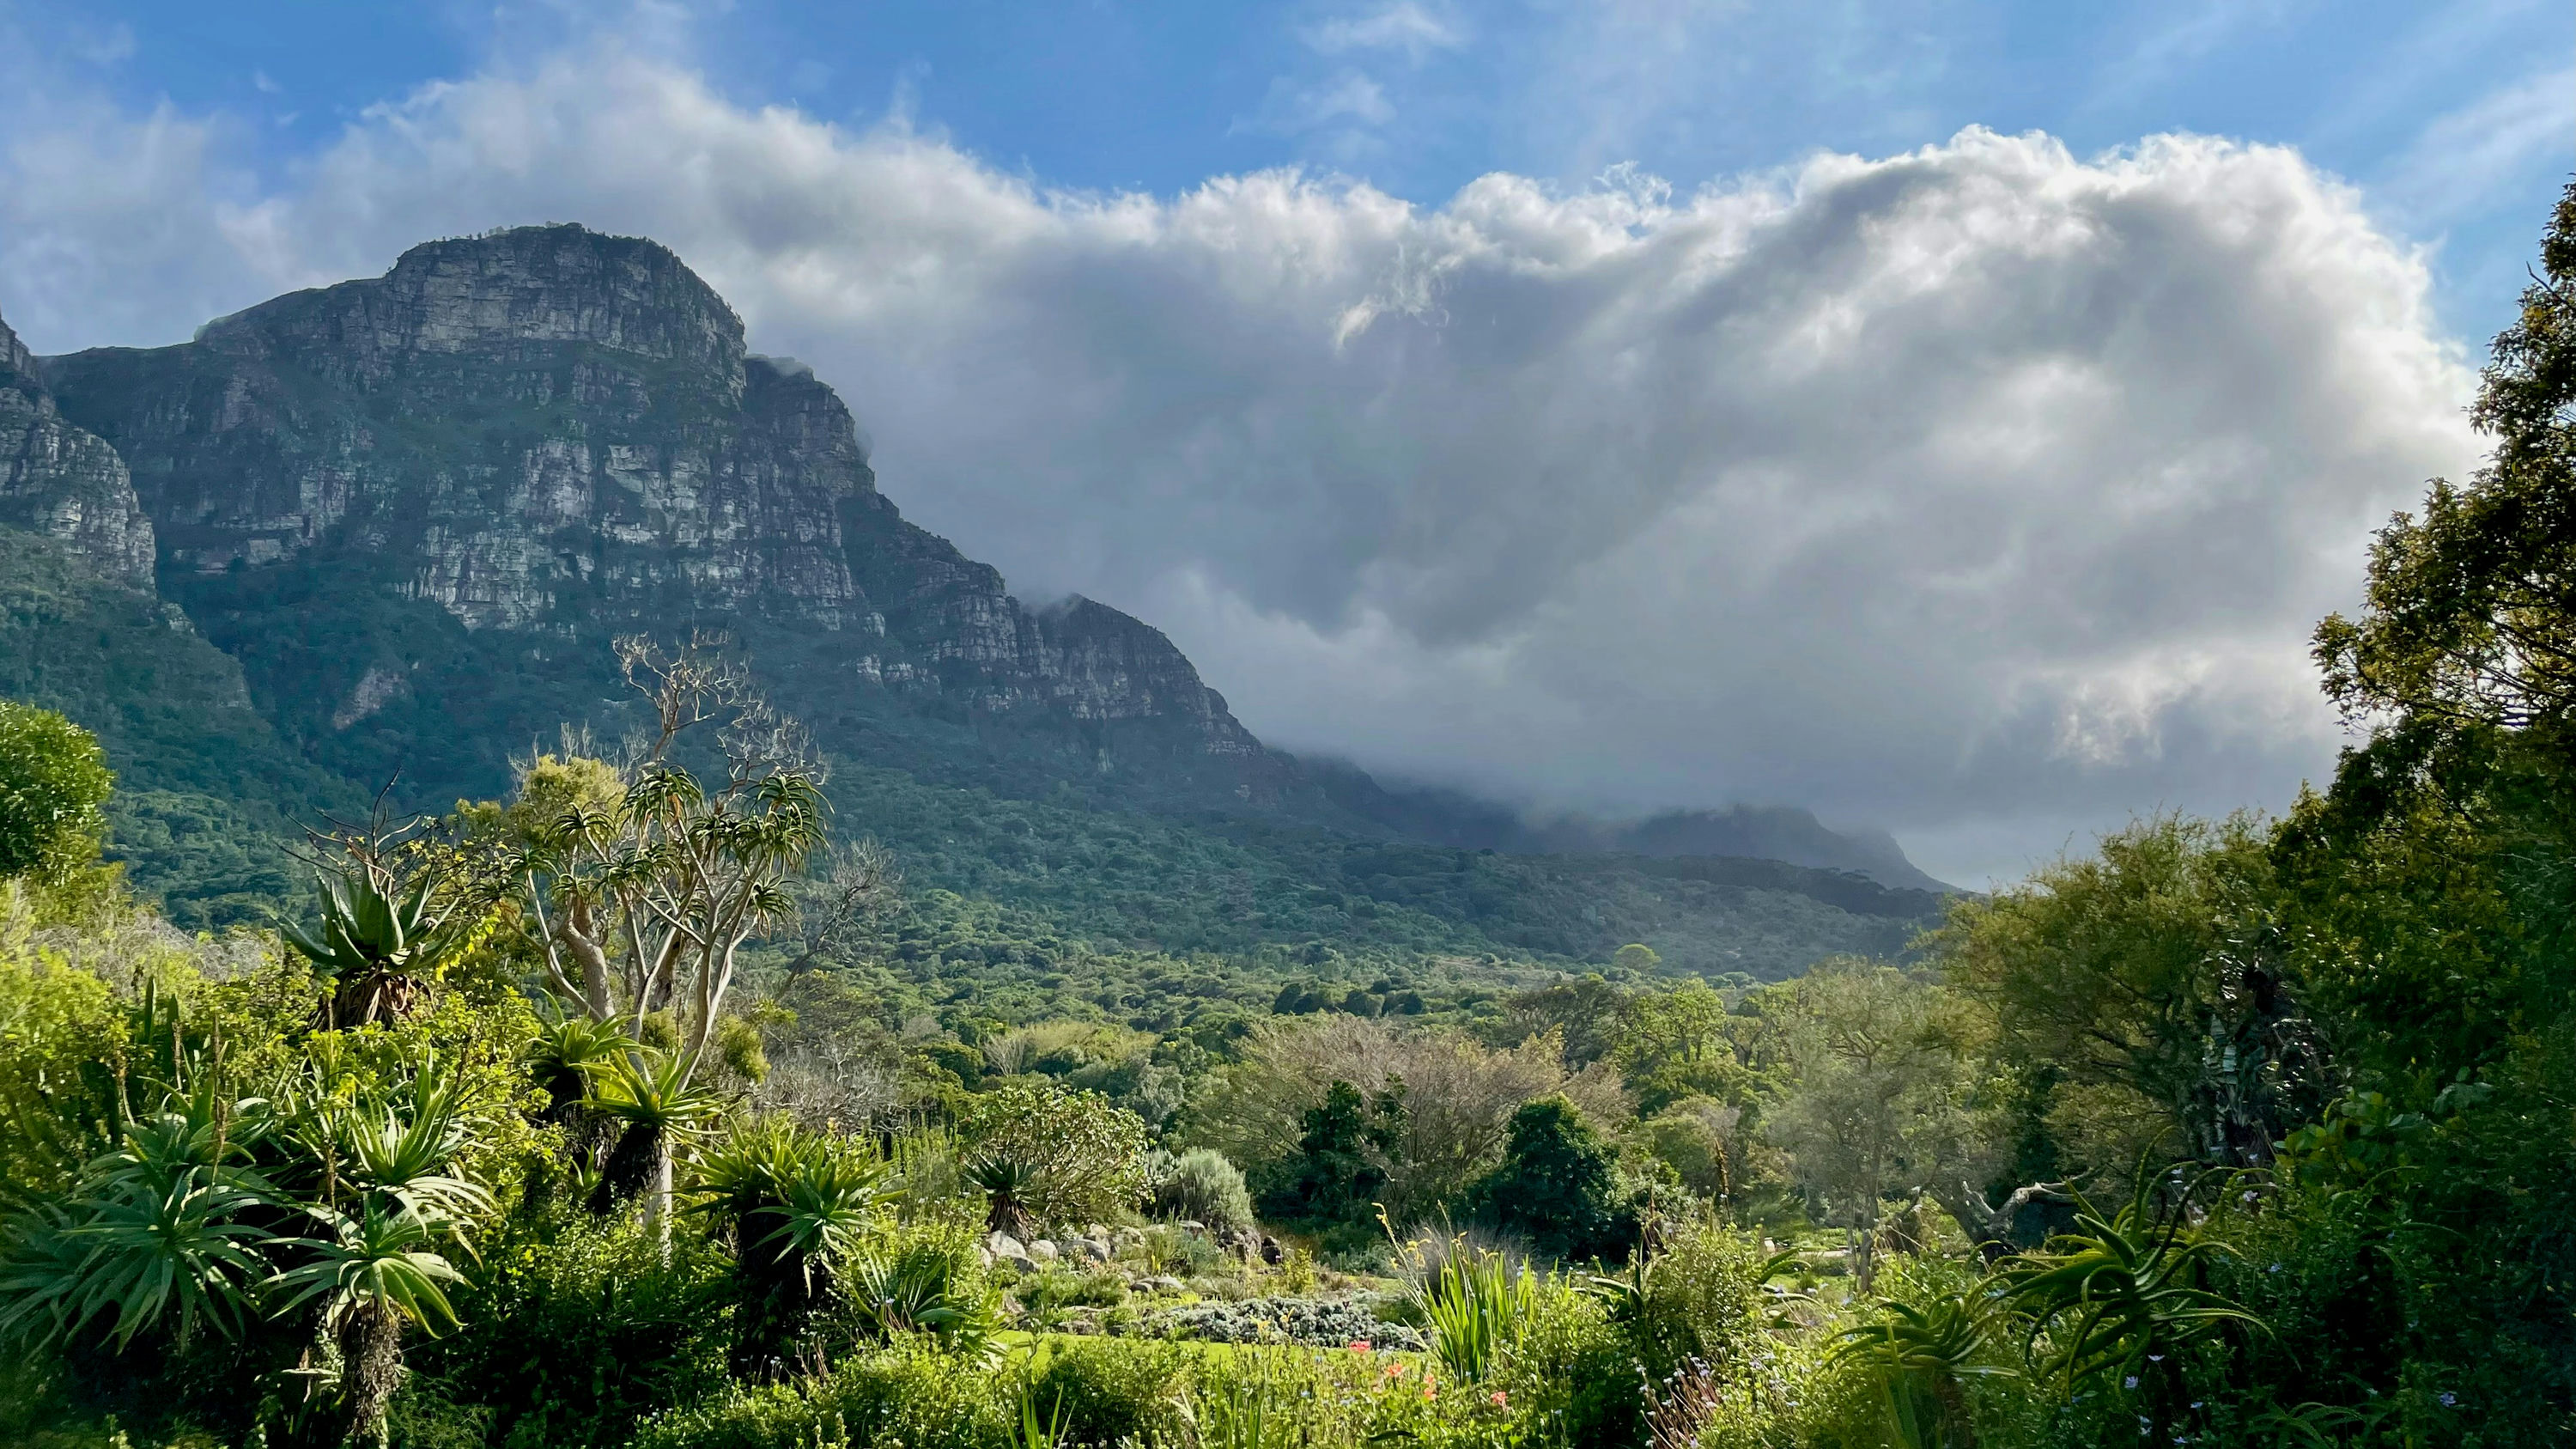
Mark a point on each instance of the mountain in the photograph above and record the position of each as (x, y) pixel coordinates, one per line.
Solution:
(63, 482)
(437, 494)
(397, 522)
(1775, 833)
(209, 795)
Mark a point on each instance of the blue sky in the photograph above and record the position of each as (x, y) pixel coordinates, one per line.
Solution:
(2458, 121)
(1951, 417)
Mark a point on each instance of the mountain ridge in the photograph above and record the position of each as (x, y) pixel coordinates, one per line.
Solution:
(410, 511)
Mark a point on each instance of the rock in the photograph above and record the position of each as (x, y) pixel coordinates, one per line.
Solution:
(1019, 1262)
(557, 435)
(1003, 1245)
(63, 481)
(1044, 1251)
(1271, 1252)
(1162, 1283)
(1193, 1225)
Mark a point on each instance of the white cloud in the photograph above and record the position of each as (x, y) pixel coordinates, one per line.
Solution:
(1984, 491)
(1347, 99)
(2464, 160)
(1403, 26)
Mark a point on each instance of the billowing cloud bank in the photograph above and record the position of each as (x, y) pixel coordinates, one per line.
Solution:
(1985, 492)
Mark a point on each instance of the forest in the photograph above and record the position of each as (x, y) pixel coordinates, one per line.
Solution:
(649, 1105)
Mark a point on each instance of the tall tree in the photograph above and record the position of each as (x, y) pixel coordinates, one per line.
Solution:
(2469, 622)
(643, 886)
(1875, 1102)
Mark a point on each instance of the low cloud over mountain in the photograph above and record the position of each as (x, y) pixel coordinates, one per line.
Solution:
(1985, 492)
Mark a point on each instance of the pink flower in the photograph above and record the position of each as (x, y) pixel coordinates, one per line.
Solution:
(1359, 1345)
(1496, 1398)
(1395, 1370)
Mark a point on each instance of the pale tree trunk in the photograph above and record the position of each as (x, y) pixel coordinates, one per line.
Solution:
(657, 1198)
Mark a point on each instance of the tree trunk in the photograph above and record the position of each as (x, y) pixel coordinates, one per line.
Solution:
(371, 1369)
(657, 1200)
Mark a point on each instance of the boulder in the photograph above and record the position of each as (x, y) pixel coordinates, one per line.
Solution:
(1044, 1251)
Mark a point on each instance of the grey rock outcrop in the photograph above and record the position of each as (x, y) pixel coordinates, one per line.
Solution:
(559, 435)
(61, 481)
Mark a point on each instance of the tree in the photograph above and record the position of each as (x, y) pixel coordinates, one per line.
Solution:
(1457, 1097)
(1875, 1104)
(644, 886)
(1675, 1044)
(1583, 1014)
(2151, 968)
(1340, 1171)
(53, 779)
(1558, 1186)
(1636, 957)
(2469, 622)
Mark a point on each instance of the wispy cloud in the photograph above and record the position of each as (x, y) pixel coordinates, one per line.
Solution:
(1345, 98)
(2462, 162)
(1404, 26)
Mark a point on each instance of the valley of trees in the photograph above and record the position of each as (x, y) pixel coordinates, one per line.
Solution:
(659, 1104)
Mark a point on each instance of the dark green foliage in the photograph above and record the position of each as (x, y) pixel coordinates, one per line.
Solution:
(577, 1327)
(1338, 1174)
(1114, 1392)
(1558, 1187)
(208, 795)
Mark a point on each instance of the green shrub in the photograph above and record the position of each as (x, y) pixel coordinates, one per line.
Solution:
(576, 1327)
(1049, 1289)
(1558, 1186)
(1700, 1298)
(1112, 1390)
(1083, 1158)
(910, 1394)
(1201, 1185)
(53, 779)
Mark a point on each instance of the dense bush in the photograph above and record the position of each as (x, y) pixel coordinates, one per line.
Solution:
(1201, 1186)
(1558, 1186)
(908, 1394)
(575, 1328)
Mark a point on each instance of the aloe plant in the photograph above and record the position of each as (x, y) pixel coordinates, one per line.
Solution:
(1920, 1360)
(2119, 1300)
(795, 1204)
(378, 942)
(165, 1229)
(649, 1091)
(374, 1273)
(1011, 1187)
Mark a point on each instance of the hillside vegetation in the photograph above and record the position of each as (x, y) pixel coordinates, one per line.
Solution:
(628, 1109)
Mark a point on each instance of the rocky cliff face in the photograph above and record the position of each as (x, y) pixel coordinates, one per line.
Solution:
(63, 482)
(548, 436)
